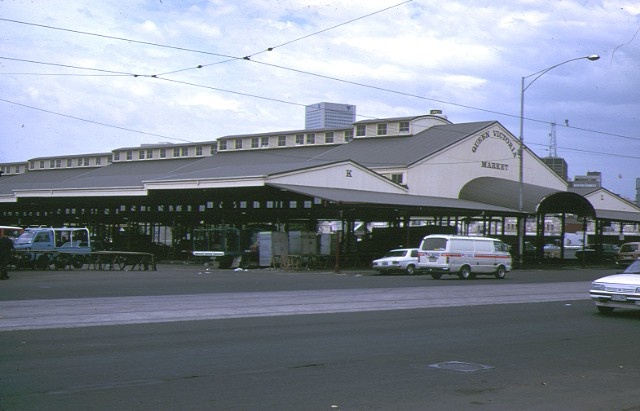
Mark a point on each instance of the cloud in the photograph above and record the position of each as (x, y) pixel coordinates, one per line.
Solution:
(466, 53)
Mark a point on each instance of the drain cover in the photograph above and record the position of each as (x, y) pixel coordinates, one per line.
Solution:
(461, 366)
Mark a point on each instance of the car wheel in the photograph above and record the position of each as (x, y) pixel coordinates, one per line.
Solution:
(501, 272)
(60, 262)
(465, 273)
(411, 269)
(78, 262)
(605, 310)
(42, 262)
(436, 276)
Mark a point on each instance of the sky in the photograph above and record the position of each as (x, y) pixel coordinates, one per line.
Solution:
(82, 76)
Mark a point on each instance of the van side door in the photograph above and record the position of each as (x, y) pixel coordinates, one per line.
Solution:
(485, 256)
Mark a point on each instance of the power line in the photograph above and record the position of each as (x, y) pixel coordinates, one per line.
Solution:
(93, 121)
(247, 58)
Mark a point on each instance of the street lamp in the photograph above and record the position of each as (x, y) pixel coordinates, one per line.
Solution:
(523, 87)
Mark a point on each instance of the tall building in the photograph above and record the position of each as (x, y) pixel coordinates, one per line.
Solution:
(329, 115)
(593, 179)
(558, 165)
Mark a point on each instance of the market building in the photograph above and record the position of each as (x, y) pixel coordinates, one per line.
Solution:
(412, 175)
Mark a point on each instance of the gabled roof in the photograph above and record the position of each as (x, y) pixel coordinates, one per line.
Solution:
(377, 152)
(402, 151)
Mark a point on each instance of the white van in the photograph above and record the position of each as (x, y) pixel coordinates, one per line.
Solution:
(464, 256)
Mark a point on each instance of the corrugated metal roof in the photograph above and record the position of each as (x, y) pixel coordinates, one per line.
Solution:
(370, 152)
(389, 199)
(505, 193)
(402, 151)
(618, 216)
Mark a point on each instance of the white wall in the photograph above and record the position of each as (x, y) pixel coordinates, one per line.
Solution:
(343, 175)
(489, 153)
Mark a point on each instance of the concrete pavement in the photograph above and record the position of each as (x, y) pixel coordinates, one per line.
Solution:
(84, 312)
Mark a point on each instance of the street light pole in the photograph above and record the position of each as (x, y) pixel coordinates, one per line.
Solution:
(523, 87)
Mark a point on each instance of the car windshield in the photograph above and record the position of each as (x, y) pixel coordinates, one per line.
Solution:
(26, 237)
(396, 253)
(634, 268)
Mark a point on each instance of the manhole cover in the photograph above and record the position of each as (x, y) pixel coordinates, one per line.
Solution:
(461, 366)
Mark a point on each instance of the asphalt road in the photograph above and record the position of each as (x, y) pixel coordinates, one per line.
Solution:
(191, 339)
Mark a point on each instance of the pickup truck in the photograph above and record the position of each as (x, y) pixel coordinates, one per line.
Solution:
(42, 247)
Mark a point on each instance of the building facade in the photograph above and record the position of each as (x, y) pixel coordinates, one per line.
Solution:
(329, 115)
(422, 170)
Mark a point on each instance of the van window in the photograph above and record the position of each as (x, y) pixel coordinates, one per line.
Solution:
(500, 246)
(462, 245)
(484, 246)
(437, 244)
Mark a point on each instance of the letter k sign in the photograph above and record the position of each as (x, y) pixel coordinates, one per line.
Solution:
(349, 173)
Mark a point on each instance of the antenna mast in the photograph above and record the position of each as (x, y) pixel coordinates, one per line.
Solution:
(553, 144)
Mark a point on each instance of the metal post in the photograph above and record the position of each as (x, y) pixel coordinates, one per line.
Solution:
(522, 227)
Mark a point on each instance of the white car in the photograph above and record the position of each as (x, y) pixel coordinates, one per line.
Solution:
(399, 259)
(618, 290)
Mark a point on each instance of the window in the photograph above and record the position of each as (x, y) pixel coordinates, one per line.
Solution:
(116, 156)
(436, 244)
(382, 129)
(176, 151)
(129, 157)
(238, 143)
(361, 130)
(163, 153)
(397, 178)
(52, 164)
(299, 139)
(141, 155)
(198, 150)
(311, 138)
(404, 127)
(348, 135)
(98, 161)
(69, 162)
(185, 151)
(264, 142)
(222, 145)
(255, 142)
(149, 153)
(328, 137)
(282, 141)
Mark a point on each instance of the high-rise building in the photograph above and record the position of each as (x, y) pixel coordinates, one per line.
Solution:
(593, 179)
(558, 165)
(329, 115)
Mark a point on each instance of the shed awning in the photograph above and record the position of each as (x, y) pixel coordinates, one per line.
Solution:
(444, 206)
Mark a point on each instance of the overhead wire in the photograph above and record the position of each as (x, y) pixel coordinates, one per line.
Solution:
(249, 58)
(92, 121)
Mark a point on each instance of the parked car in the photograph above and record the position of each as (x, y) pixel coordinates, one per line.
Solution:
(628, 253)
(608, 253)
(397, 260)
(551, 251)
(618, 290)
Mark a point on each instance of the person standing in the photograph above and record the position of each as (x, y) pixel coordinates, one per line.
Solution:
(6, 252)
